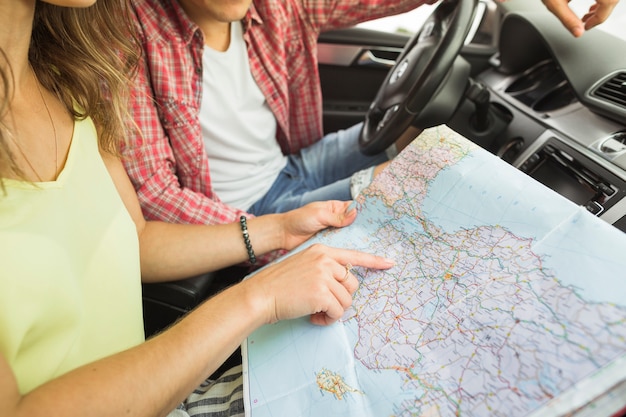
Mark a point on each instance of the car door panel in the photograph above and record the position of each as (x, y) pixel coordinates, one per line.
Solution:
(353, 63)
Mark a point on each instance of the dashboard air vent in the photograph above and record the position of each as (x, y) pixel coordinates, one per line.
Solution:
(613, 90)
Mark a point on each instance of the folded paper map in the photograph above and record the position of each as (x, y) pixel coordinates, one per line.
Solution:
(506, 299)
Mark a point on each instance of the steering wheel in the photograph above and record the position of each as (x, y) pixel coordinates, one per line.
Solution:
(427, 82)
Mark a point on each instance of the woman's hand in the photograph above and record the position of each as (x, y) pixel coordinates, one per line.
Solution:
(300, 224)
(317, 282)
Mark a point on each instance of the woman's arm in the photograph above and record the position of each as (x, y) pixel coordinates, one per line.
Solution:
(151, 379)
(174, 251)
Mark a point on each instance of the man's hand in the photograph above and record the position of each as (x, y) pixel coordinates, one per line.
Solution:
(598, 13)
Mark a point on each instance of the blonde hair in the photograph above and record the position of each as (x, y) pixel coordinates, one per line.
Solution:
(88, 57)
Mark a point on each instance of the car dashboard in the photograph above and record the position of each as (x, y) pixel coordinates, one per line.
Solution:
(557, 103)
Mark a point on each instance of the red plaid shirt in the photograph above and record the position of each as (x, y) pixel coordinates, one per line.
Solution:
(167, 162)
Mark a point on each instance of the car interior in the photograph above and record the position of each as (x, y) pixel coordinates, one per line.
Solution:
(552, 105)
(506, 75)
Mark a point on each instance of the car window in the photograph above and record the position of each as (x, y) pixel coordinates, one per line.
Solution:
(412, 21)
(616, 23)
(409, 22)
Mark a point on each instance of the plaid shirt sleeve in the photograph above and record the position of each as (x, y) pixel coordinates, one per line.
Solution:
(332, 14)
(158, 168)
(282, 47)
(164, 156)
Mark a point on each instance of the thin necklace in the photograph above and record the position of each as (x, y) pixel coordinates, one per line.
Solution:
(54, 131)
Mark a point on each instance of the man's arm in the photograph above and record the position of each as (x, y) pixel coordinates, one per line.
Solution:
(151, 164)
(331, 14)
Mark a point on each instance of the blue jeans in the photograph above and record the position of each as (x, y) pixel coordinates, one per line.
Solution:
(319, 172)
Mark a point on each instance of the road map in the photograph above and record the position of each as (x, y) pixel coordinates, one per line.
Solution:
(506, 299)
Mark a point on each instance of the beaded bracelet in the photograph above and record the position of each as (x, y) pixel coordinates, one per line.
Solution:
(246, 239)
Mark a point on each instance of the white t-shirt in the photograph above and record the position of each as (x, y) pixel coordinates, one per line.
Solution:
(238, 128)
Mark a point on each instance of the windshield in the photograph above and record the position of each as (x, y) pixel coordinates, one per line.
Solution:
(411, 21)
(615, 24)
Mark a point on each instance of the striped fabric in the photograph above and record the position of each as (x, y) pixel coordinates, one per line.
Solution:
(220, 398)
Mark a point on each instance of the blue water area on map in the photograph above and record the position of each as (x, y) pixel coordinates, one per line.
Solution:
(571, 240)
(479, 191)
(313, 348)
(497, 194)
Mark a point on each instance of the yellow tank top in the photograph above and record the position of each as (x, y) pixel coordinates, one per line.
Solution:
(70, 289)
